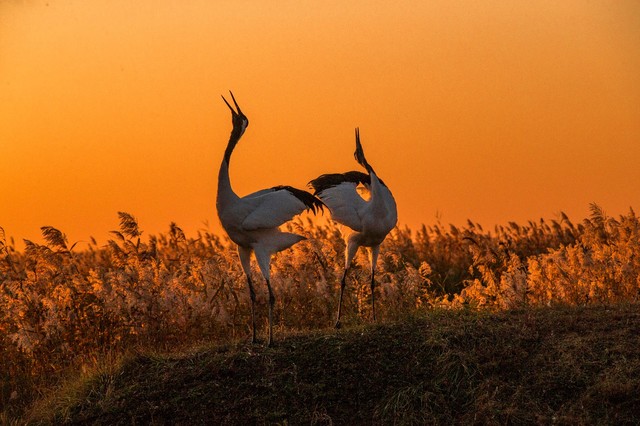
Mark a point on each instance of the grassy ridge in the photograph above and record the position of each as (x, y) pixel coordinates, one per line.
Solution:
(61, 308)
(549, 365)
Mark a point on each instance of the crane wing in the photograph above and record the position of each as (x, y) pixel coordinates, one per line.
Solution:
(339, 192)
(270, 208)
(346, 205)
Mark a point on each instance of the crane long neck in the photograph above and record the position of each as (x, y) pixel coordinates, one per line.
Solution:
(231, 145)
(375, 185)
(379, 196)
(224, 181)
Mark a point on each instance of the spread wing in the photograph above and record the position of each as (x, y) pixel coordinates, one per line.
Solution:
(345, 203)
(273, 207)
(339, 192)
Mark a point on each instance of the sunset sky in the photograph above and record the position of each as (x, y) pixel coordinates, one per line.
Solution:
(493, 111)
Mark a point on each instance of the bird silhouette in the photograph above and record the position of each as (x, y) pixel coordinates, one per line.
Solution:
(366, 221)
(252, 221)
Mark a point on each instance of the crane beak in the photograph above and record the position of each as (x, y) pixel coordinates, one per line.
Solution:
(239, 112)
(225, 101)
(359, 153)
(235, 103)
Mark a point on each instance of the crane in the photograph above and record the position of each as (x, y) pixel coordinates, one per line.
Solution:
(252, 222)
(366, 223)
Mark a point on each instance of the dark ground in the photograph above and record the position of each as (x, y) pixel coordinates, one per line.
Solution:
(540, 366)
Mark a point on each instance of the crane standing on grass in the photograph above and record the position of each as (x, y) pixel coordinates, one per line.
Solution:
(252, 221)
(369, 221)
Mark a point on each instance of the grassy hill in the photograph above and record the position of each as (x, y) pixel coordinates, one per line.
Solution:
(551, 365)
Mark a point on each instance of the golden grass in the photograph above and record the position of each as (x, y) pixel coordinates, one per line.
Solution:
(61, 308)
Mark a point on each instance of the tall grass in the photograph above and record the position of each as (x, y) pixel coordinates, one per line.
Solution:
(61, 307)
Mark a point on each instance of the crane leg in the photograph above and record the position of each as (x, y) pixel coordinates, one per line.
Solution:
(252, 293)
(373, 297)
(245, 259)
(343, 284)
(373, 257)
(350, 253)
(272, 301)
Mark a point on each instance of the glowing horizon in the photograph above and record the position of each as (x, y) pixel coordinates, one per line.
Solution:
(492, 111)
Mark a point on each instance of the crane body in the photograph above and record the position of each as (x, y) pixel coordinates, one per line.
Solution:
(252, 222)
(366, 223)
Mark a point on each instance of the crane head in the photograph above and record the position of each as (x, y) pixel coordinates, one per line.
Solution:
(239, 120)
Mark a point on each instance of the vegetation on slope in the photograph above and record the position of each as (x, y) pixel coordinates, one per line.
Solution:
(61, 308)
(563, 365)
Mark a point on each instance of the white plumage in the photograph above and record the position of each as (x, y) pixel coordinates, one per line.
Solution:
(367, 222)
(346, 205)
(268, 208)
(252, 221)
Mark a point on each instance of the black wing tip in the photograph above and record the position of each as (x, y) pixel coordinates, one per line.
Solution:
(330, 180)
(311, 202)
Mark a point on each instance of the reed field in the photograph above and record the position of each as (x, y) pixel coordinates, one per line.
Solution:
(63, 309)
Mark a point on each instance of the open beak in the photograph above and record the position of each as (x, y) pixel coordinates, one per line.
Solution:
(234, 102)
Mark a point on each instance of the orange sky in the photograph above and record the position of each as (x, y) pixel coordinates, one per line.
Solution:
(495, 111)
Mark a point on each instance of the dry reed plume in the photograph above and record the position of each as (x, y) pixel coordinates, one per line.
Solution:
(60, 306)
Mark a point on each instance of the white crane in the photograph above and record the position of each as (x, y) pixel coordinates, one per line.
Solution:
(252, 221)
(366, 222)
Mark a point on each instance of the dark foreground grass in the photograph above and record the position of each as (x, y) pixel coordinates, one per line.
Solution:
(539, 366)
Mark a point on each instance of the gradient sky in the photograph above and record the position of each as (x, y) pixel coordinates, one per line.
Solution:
(493, 111)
